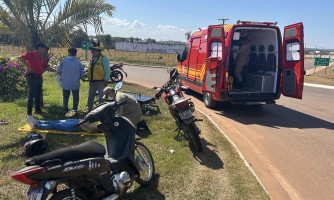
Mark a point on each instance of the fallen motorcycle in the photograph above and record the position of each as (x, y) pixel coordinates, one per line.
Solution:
(116, 74)
(181, 109)
(89, 170)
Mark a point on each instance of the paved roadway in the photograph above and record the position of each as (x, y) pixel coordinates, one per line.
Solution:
(289, 145)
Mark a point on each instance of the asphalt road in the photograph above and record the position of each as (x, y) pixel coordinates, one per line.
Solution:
(289, 145)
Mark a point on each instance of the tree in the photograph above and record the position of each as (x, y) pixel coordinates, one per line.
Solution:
(150, 40)
(78, 36)
(37, 21)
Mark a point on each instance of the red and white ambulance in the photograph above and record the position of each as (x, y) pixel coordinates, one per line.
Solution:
(244, 62)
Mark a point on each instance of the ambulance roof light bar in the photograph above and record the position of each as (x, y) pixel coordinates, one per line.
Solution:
(257, 23)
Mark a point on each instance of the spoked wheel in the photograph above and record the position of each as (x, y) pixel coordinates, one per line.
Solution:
(66, 195)
(116, 76)
(192, 134)
(145, 164)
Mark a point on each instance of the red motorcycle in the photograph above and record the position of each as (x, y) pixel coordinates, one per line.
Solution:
(181, 109)
(116, 74)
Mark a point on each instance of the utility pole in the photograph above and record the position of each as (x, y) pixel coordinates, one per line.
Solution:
(223, 20)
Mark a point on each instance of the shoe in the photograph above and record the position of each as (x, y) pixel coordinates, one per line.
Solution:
(71, 113)
(39, 112)
(32, 121)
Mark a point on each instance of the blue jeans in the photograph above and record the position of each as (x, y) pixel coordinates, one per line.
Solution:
(66, 96)
(64, 125)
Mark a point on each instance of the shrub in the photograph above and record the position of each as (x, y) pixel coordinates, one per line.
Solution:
(11, 76)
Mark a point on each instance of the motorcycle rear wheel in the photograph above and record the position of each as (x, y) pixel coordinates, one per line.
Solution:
(66, 195)
(193, 136)
(145, 164)
(116, 76)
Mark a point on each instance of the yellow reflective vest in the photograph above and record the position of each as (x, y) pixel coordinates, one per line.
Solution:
(95, 70)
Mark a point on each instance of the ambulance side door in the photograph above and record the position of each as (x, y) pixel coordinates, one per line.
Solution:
(193, 58)
(292, 81)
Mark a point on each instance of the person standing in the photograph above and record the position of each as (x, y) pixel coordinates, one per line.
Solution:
(71, 71)
(36, 66)
(241, 60)
(98, 73)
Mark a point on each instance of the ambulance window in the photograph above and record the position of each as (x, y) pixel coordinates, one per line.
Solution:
(292, 51)
(236, 36)
(216, 32)
(289, 33)
(185, 53)
(216, 49)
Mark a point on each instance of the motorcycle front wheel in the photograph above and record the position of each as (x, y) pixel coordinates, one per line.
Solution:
(66, 195)
(193, 136)
(116, 76)
(145, 164)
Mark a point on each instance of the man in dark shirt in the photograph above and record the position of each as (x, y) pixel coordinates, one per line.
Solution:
(36, 65)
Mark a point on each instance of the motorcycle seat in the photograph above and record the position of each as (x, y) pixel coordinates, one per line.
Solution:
(87, 149)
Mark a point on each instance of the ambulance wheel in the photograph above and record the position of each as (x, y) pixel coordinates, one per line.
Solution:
(178, 83)
(208, 100)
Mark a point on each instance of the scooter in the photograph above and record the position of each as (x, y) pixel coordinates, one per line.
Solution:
(181, 109)
(89, 170)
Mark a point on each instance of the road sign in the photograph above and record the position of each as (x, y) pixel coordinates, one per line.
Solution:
(86, 45)
(321, 61)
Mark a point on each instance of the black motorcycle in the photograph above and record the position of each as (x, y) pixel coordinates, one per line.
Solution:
(89, 170)
(181, 109)
(116, 74)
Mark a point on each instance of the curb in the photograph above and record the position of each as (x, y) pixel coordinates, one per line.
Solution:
(237, 149)
(319, 86)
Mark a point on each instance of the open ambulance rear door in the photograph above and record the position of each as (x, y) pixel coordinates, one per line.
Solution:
(292, 81)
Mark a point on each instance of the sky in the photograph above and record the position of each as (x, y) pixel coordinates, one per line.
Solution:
(170, 20)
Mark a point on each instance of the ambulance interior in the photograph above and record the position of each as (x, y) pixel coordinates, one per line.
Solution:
(253, 61)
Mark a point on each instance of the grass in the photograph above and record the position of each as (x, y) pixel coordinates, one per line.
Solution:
(325, 76)
(216, 173)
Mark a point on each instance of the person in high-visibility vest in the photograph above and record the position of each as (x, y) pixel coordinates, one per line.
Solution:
(98, 73)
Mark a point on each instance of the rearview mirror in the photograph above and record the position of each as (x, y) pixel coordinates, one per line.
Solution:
(118, 86)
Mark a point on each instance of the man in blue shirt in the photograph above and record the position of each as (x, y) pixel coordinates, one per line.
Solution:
(71, 71)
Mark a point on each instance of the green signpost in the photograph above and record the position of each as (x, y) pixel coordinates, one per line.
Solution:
(321, 61)
(86, 45)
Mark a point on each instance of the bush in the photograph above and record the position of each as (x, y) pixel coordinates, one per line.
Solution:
(11, 76)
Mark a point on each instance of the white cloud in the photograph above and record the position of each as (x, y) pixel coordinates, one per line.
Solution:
(124, 28)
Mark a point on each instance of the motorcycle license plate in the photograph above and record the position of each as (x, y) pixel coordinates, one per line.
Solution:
(185, 114)
(35, 194)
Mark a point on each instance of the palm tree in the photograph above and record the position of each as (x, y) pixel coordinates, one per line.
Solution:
(34, 21)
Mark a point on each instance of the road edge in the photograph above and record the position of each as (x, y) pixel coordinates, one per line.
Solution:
(235, 146)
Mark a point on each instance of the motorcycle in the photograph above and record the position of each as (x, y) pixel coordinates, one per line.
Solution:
(89, 170)
(115, 73)
(181, 109)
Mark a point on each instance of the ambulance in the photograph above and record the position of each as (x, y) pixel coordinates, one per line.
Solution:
(244, 63)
